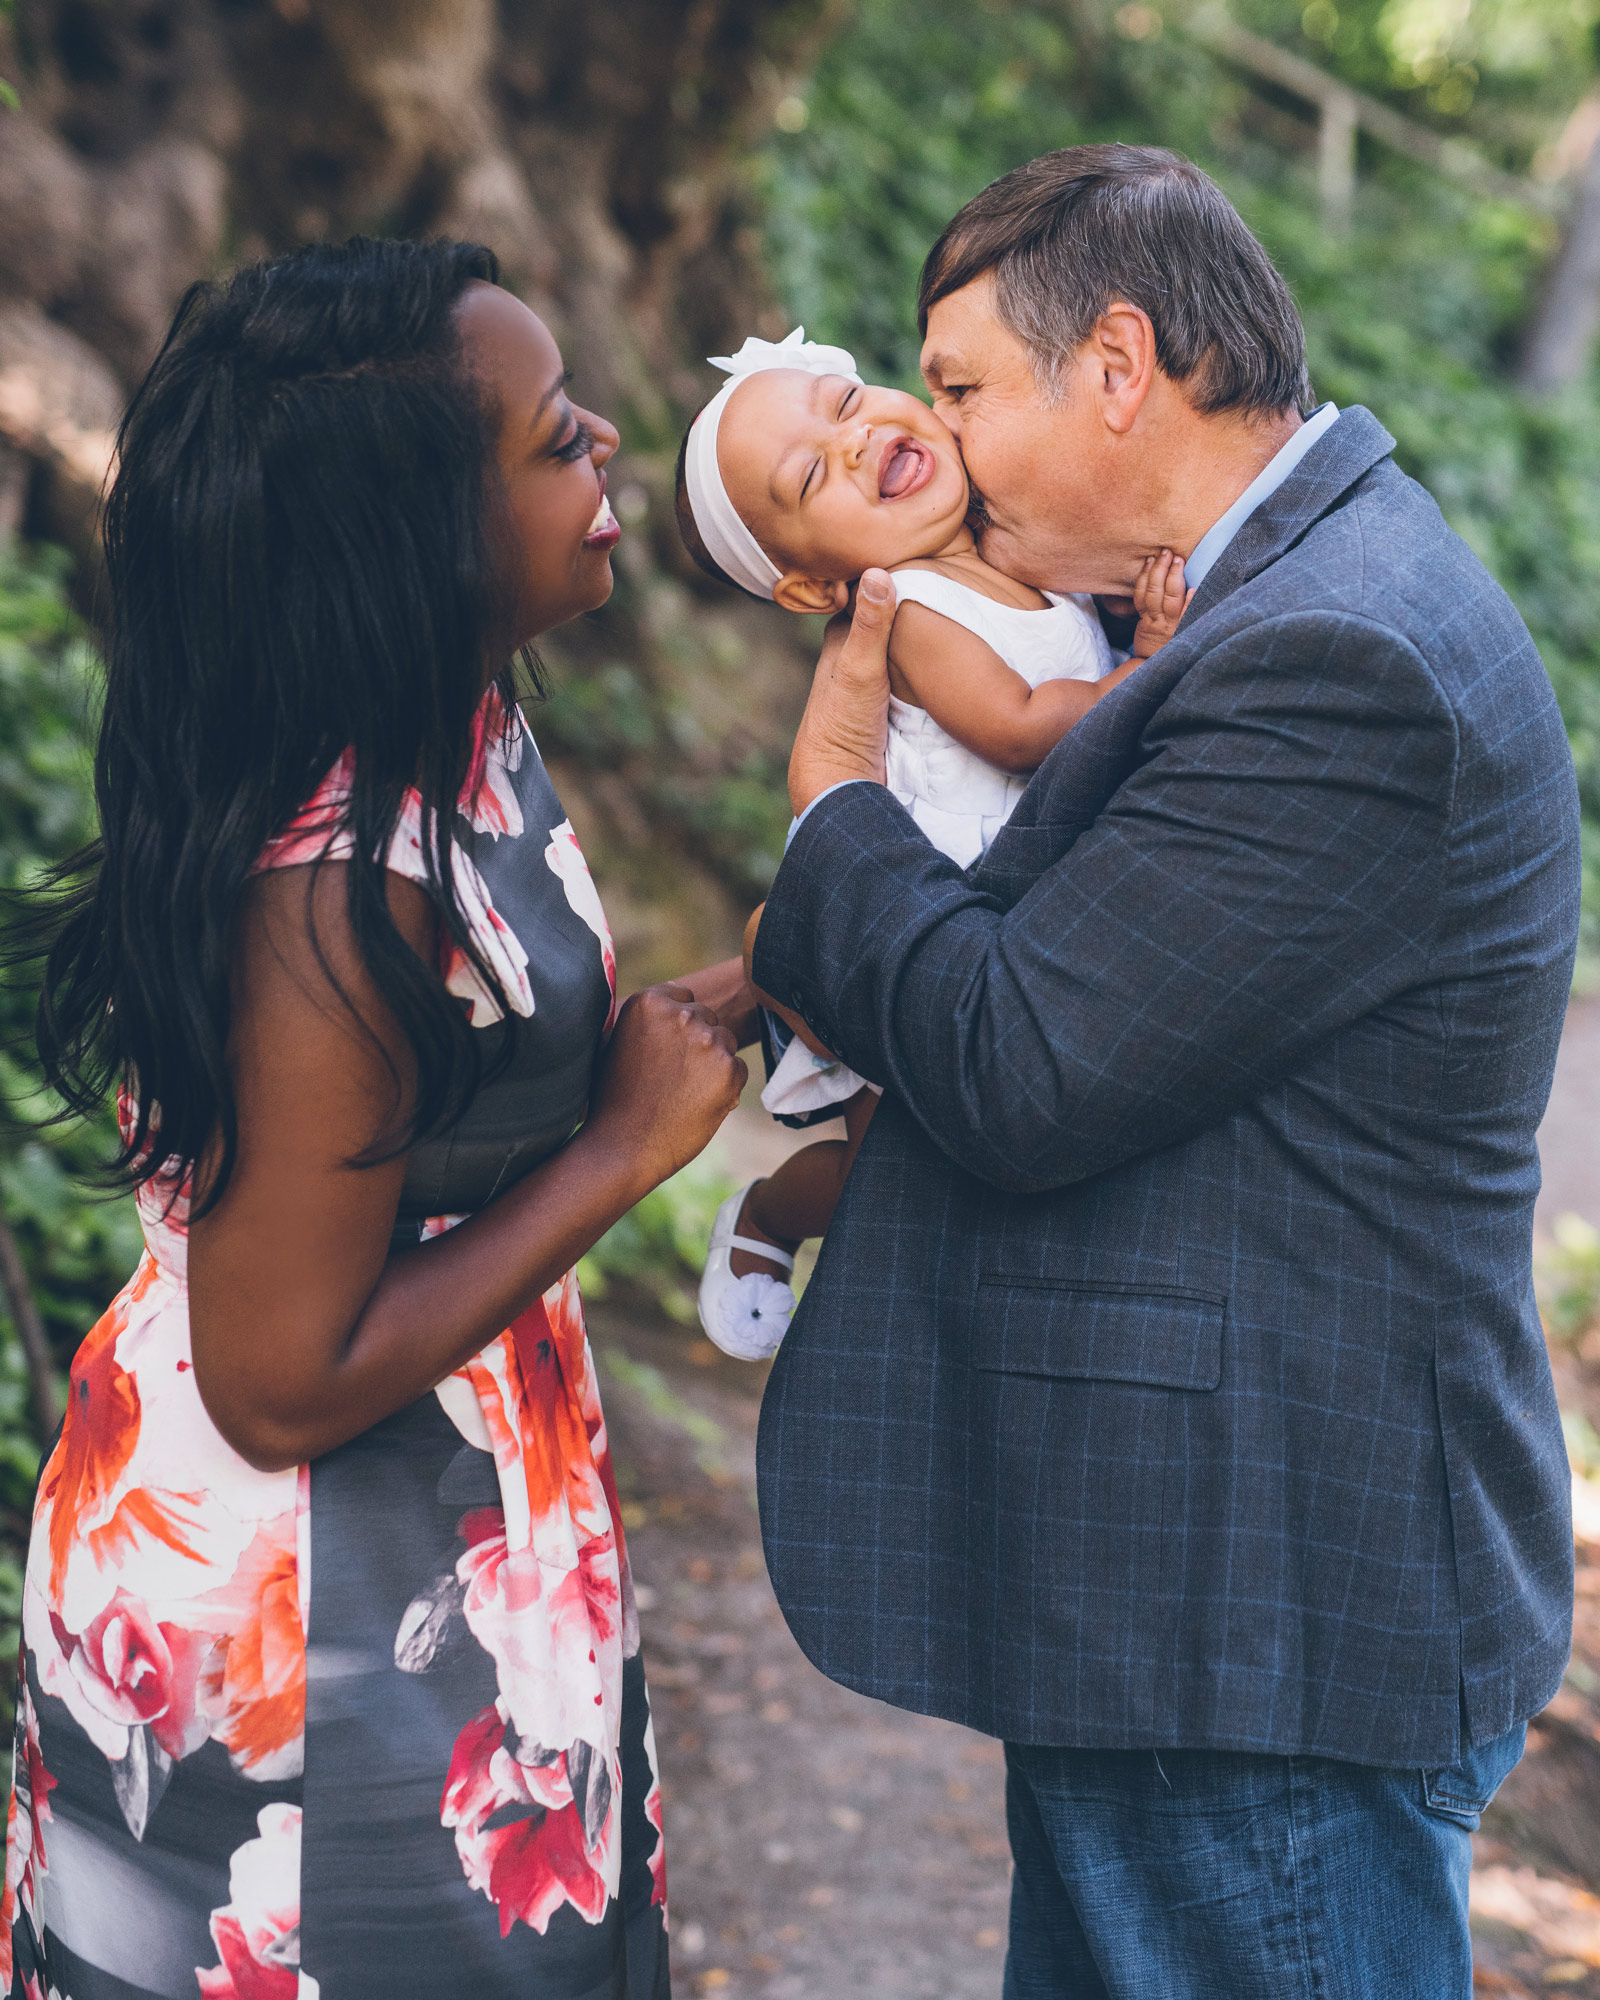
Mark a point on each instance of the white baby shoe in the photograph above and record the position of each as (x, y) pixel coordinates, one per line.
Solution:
(746, 1317)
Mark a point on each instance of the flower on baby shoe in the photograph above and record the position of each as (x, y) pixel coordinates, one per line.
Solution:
(753, 1315)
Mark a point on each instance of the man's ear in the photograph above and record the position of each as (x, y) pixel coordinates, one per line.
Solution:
(812, 594)
(1121, 353)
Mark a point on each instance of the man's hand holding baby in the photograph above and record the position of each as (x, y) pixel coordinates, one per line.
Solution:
(843, 731)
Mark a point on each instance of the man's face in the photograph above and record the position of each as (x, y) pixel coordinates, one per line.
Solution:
(1047, 472)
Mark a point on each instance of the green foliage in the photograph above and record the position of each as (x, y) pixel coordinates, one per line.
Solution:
(658, 1249)
(1569, 1280)
(78, 1250)
(664, 1403)
(1418, 314)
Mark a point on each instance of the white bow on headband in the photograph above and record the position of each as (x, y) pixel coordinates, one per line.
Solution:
(728, 541)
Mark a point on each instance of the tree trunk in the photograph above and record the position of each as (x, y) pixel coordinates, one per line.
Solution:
(16, 1290)
(601, 151)
(1560, 342)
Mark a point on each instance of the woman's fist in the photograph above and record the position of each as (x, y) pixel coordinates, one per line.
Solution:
(669, 1076)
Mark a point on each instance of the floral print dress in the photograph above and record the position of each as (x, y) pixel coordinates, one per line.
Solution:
(376, 1725)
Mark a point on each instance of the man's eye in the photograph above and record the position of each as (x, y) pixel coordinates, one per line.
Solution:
(579, 445)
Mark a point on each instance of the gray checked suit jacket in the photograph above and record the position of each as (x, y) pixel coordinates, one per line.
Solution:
(1171, 1373)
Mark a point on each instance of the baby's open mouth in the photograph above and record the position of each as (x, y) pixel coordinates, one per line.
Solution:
(904, 467)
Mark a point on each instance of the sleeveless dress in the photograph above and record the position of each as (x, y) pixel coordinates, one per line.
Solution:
(959, 801)
(374, 1726)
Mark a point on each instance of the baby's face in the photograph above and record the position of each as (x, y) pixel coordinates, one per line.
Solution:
(832, 478)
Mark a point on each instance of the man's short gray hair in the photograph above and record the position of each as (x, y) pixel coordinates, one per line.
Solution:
(1073, 232)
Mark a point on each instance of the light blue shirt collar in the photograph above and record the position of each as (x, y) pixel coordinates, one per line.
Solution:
(1266, 482)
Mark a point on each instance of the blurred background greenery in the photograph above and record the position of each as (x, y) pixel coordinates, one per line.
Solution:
(661, 179)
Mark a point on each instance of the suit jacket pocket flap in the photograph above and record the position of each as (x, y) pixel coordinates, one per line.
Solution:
(1168, 1338)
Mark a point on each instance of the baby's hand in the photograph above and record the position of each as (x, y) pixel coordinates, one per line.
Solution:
(1160, 598)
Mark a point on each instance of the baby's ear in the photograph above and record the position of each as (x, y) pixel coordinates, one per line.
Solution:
(811, 594)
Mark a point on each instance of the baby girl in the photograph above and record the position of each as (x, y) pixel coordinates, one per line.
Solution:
(795, 478)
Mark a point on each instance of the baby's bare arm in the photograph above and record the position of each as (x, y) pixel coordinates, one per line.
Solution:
(976, 698)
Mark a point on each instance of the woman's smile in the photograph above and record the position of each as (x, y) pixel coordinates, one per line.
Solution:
(605, 531)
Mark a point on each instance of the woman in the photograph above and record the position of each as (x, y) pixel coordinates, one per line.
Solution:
(331, 1664)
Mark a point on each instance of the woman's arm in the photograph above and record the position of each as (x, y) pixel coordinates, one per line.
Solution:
(305, 1330)
(976, 698)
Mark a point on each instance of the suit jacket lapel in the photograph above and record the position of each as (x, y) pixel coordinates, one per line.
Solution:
(1354, 444)
(1087, 765)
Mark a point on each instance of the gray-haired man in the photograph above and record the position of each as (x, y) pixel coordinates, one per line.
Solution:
(1170, 1399)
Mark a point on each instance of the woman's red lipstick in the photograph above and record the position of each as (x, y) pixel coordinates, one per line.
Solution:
(604, 531)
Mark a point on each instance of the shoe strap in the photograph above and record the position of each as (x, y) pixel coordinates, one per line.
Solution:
(770, 1251)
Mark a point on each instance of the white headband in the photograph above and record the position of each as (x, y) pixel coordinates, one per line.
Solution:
(729, 543)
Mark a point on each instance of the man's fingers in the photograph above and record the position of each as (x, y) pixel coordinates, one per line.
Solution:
(841, 734)
(866, 650)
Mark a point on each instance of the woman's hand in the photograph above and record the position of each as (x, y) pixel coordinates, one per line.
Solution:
(668, 1078)
(306, 1329)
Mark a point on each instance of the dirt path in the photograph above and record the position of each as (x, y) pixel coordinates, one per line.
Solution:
(818, 1844)
(1569, 1139)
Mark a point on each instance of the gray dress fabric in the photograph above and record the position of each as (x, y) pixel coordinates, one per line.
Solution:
(375, 1728)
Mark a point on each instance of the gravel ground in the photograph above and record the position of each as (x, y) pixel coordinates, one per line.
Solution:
(820, 1844)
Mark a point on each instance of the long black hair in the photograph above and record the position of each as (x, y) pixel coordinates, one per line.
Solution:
(298, 551)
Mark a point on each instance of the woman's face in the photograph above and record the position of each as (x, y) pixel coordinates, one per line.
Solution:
(558, 529)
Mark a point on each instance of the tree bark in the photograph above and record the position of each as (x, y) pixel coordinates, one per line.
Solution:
(18, 1291)
(601, 150)
(1560, 342)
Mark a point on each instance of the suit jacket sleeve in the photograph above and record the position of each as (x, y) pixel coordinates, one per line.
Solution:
(1270, 869)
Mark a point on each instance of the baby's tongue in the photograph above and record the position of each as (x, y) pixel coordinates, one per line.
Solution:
(899, 471)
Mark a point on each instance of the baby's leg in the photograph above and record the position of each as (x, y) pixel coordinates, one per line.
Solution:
(799, 1199)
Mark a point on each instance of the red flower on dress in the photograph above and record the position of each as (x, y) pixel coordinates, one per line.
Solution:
(133, 1670)
(255, 1688)
(83, 1472)
(31, 1787)
(541, 1859)
(488, 798)
(652, 1812)
(257, 1932)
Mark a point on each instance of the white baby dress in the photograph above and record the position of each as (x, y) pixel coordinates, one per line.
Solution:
(958, 800)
